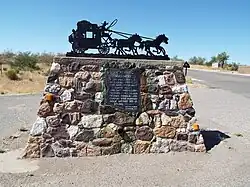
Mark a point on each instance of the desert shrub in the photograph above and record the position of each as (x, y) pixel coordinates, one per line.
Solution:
(46, 73)
(46, 58)
(25, 61)
(232, 67)
(235, 66)
(197, 60)
(12, 74)
(18, 72)
(208, 63)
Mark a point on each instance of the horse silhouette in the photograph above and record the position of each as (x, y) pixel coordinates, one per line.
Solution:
(127, 43)
(155, 44)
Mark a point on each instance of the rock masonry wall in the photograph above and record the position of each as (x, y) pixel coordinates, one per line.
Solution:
(72, 119)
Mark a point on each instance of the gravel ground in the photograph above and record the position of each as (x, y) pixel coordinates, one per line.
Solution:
(17, 111)
(227, 164)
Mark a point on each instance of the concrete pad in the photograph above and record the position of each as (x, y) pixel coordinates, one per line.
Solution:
(10, 162)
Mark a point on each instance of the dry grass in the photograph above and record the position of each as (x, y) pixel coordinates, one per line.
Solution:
(197, 85)
(193, 84)
(201, 67)
(30, 82)
(189, 80)
(204, 67)
(244, 69)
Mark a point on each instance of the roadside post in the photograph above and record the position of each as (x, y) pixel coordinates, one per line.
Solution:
(186, 66)
(1, 69)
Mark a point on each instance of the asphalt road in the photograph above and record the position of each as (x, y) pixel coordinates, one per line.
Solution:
(239, 84)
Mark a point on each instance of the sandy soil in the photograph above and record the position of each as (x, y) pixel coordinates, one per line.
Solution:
(30, 82)
(201, 67)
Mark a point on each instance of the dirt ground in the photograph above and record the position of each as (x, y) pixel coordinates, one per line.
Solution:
(30, 82)
(199, 67)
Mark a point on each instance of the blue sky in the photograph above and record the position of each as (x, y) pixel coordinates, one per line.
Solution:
(194, 27)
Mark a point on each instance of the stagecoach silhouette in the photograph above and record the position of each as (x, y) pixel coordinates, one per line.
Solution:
(92, 36)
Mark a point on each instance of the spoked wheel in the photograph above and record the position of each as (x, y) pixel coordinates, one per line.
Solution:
(76, 48)
(104, 49)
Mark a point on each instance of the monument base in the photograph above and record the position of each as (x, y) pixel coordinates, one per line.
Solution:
(145, 57)
(75, 120)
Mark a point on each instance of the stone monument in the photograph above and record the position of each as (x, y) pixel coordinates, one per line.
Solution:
(94, 107)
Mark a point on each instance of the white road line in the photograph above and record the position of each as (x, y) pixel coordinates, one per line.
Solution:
(198, 80)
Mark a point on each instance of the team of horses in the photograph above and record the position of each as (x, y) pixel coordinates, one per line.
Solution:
(122, 44)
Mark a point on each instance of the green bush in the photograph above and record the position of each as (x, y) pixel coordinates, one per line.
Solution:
(25, 61)
(235, 66)
(209, 63)
(232, 67)
(197, 60)
(12, 74)
(45, 58)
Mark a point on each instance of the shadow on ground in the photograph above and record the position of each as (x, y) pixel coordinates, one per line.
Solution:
(213, 138)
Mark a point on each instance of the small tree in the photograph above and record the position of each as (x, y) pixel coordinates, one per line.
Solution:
(222, 58)
(8, 54)
(46, 58)
(197, 60)
(25, 61)
(176, 58)
(211, 61)
(233, 66)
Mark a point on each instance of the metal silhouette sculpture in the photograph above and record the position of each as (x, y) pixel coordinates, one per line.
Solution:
(92, 36)
(129, 43)
(98, 39)
(156, 43)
